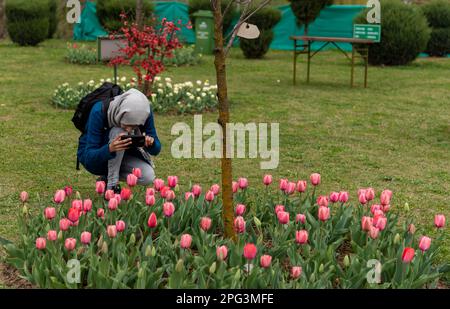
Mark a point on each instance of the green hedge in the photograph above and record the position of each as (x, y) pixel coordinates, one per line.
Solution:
(265, 19)
(438, 16)
(53, 18)
(404, 34)
(27, 21)
(197, 5)
(108, 12)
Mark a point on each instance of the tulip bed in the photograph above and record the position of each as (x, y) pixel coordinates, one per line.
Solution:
(287, 236)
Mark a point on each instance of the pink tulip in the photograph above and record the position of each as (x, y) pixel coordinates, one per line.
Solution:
(163, 191)
(205, 223)
(265, 261)
(132, 180)
(172, 181)
(411, 229)
(64, 224)
(100, 187)
(408, 255)
(222, 253)
(439, 221)
(168, 209)
(370, 194)
(152, 221)
(373, 232)
(52, 235)
(101, 213)
(170, 195)
(188, 195)
(158, 184)
(239, 225)
(111, 230)
(234, 186)
(296, 272)
(59, 197)
(87, 205)
(74, 223)
(283, 217)
(113, 204)
(380, 223)
(366, 223)
(362, 198)
(386, 208)
(196, 190)
(150, 191)
(283, 184)
(70, 244)
(424, 243)
(240, 209)
(301, 237)
(315, 179)
(375, 207)
(24, 196)
(279, 208)
(334, 197)
(290, 188)
(343, 196)
(41, 243)
(209, 196)
(301, 186)
(50, 213)
(73, 215)
(125, 193)
(215, 188)
(109, 194)
(150, 200)
(322, 201)
(185, 241)
(68, 190)
(300, 218)
(120, 226)
(243, 183)
(324, 213)
(137, 172)
(385, 197)
(267, 180)
(77, 204)
(86, 238)
(250, 251)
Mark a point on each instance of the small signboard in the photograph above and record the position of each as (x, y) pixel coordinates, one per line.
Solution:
(109, 48)
(367, 32)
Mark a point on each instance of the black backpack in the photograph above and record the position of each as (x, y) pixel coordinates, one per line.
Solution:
(104, 93)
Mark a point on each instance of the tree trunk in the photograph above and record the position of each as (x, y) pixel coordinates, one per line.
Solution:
(140, 14)
(224, 119)
(2, 19)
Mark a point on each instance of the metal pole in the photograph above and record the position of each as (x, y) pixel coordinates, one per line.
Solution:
(295, 59)
(309, 61)
(115, 74)
(366, 62)
(353, 65)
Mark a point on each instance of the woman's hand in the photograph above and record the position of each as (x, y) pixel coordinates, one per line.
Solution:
(118, 145)
(149, 141)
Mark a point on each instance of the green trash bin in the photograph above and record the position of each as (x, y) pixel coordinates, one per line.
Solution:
(204, 32)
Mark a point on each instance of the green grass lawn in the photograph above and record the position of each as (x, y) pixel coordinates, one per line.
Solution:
(395, 134)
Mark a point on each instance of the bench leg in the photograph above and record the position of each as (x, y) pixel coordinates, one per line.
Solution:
(309, 62)
(366, 63)
(353, 66)
(295, 60)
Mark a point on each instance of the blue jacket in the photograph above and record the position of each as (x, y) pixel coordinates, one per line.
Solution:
(93, 147)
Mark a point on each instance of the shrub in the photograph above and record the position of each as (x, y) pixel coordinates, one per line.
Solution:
(438, 16)
(183, 56)
(27, 21)
(265, 19)
(164, 238)
(197, 5)
(404, 34)
(108, 12)
(306, 11)
(53, 18)
(81, 54)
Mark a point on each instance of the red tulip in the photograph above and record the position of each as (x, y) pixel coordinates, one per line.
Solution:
(424, 243)
(234, 186)
(296, 272)
(150, 191)
(301, 237)
(113, 204)
(205, 223)
(87, 205)
(100, 187)
(215, 188)
(101, 213)
(439, 221)
(240, 209)
(74, 214)
(301, 185)
(196, 190)
(239, 225)
(137, 172)
(209, 196)
(324, 213)
(52, 235)
(70, 244)
(125, 193)
(24, 196)
(185, 241)
(64, 224)
(300, 218)
(50, 213)
(132, 180)
(158, 184)
(315, 179)
(109, 194)
(366, 223)
(59, 197)
(172, 181)
(343, 197)
(188, 195)
(279, 208)
(283, 217)
(322, 201)
(265, 261)
(152, 221)
(168, 209)
(408, 255)
(150, 200)
(68, 190)
(334, 197)
(120, 226)
(222, 253)
(283, 184)
(111, 230)
(385, 197)
(370, 194)
(267, 180)
(41, 243)
(86, 238)
(250, 251)
(243, 183)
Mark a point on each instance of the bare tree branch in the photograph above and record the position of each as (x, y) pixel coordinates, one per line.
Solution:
(226, 9)
(213, 4)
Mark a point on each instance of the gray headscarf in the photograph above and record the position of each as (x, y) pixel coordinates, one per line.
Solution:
(129, 108)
